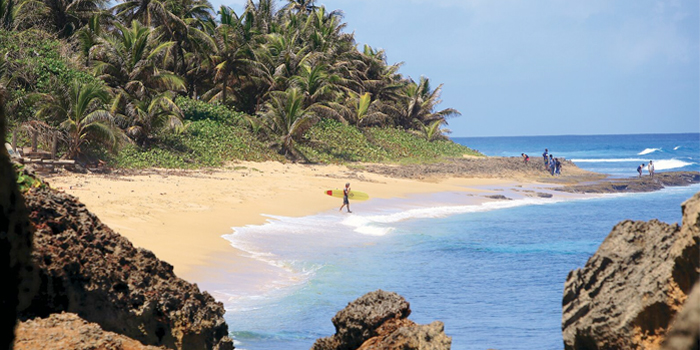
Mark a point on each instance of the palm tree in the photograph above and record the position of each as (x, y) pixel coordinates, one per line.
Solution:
(63, 17)
(152, 114)
(80, 110)
(7, 14)
(234, 56)
(417, 105)
(316, 83)
(355, 109)
(300, 6)
(433, 131)
(128, 61)
(287, 119)
(148, 12)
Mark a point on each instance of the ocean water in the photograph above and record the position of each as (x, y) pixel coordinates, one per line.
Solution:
(492, 272)
(617, 155)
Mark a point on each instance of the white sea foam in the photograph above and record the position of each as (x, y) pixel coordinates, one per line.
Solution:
(665, 164)
(378, 225)
(608, 160)
(648, 150)
(676, 148)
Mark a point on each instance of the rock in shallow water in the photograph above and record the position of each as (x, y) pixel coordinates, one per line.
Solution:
(378, 321)
(631, 288)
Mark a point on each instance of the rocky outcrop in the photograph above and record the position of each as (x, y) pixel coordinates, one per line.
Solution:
(16, 270)
(379, 320)
(486, 167)
(631, 288)
(88, 269)
(69, 331)
(634, 184)
(685, 330)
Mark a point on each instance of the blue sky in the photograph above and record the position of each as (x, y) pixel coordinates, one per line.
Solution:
(543, 67)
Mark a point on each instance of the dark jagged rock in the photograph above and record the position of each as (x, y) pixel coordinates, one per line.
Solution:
(631, 288)
(685, 330)
(16, 271)
(635, 184)
(379, 320)
(499, 197)
(88, 269)
(68, 331)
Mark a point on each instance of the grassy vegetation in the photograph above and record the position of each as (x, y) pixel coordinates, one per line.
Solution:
(212, 140)
(383, 113)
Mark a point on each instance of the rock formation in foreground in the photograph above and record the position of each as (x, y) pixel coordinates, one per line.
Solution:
(631, 288)
(68, 331)
(378, 321)
(87, 269)
(685, 330)
(16, 271)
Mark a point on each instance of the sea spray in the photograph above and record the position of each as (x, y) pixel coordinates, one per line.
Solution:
(649, 150)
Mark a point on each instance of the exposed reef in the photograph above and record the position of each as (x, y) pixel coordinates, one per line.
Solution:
(379, 321)
(634, 184)
(86, 268)
(630, 290)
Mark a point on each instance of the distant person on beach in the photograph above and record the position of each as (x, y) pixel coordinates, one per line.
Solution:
(557, 166)
(346, 201)
(650, 167)
(526, 158)
(551, 165)
(546, 160)
(639, 170)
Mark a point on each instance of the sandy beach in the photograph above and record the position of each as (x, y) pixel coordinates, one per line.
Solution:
(181, 215)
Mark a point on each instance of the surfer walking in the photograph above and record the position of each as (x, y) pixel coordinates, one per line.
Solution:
(346, 201)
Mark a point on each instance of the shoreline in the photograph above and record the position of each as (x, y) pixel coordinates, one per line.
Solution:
(181, 216)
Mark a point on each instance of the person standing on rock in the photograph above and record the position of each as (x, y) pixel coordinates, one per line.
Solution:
(544, 155)
(551, 165)
(526, 158)
(650, 167)
(639, 170)
(346, 201)
(557, 166)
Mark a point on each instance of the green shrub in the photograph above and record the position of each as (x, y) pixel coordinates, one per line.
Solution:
(330, 141)
(204, 143)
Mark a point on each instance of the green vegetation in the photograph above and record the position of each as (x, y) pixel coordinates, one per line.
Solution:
(175, 84)
(26, 181)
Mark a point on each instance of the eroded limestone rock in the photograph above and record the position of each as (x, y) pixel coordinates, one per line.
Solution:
(630, 289)
(88, 269)
(378, 321)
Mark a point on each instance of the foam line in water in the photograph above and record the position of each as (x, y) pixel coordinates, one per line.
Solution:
(676, 148)
(665, 164)
(376, 225)
(608, 160)
(648, 150)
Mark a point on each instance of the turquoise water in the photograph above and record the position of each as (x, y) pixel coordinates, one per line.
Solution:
(493, 273)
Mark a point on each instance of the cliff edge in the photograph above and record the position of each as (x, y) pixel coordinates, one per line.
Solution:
(632, 287)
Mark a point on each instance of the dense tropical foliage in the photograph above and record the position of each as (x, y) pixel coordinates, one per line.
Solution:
(133, 73)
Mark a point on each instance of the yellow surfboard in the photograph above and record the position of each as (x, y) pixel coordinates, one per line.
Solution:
(354, 195)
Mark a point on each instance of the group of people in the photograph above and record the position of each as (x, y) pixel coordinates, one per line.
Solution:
(551, 163)
(650, 168)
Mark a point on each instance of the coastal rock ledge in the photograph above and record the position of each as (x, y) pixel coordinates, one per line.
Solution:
(87, 269)
(379, 321)
(630, 290)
